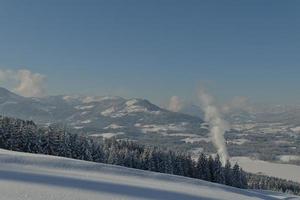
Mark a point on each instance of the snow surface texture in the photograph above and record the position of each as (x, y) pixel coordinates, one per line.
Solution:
(284, 171)
(34, 177)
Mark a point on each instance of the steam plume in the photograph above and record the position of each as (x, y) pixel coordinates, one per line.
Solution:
(217, 125)
(24, 82)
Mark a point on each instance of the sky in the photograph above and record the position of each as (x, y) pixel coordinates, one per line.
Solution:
(156, 49)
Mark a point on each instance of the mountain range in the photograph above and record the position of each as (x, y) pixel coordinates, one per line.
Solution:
(265, 132)
(108, 116)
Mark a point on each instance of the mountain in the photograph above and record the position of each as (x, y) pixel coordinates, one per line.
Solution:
(253, 113)
(231, 115)
(22, 107)
(6, 95)
(193, 110)
(32, 176)
(133, 119)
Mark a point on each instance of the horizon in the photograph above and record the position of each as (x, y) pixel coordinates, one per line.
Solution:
(154, 50)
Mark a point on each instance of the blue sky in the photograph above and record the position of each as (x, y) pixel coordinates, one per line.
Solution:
(157, 49)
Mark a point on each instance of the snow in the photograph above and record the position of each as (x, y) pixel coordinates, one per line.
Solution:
(84, 113)
(8, 102)
(114, 113)
(267, 128)
(90, 99)
(239, 141)
(108, 111)
(288, 158)
(131, 106)
(84, 107)
(86, 121)
(296, 129)
(70, 98)
(284, 171)
(171, 130)
(131, 102)
(34, 177)
(196, 139)
(182, 135)
(282, 142)
(107, 135)
(196, 152)
(153, 128)
(114, 126)
(78, 127)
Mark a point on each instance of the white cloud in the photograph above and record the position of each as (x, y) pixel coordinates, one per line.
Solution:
(175, 104)
(24, 82)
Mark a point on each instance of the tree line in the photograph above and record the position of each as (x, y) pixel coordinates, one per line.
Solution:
(26, 136)
(262, 182)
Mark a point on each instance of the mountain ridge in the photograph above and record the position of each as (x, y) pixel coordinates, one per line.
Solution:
(107, 116)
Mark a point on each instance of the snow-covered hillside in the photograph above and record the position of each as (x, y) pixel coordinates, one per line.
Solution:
(284, 171)
(34, 177)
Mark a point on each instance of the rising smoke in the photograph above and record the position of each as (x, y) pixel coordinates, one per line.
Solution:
(24, 82)
(217, 125)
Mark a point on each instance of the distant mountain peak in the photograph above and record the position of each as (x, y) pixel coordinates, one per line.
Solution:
(4, 90)
(5, 93)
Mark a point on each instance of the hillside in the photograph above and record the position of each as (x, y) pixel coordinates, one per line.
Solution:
(31, 176)
(284, 171)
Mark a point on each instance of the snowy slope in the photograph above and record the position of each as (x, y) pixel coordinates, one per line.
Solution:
(34, 177)
(284, 171)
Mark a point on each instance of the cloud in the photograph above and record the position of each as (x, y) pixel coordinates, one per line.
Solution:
(24, 82)
(5, 75)
(175, 104)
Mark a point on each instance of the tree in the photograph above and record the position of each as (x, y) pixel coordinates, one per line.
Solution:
(202, 170)
(228, 173)
(218, 172)
(169, 167)
(244, 181)
(236, 176)
(211, 169)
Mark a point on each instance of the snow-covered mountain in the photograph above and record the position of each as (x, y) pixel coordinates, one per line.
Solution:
(34, 177)
(253, 113)
(134, 119)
